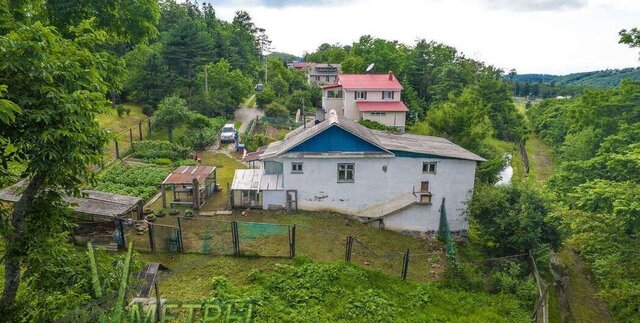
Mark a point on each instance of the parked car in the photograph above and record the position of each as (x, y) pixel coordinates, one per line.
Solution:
(259, 87)
(228, 133)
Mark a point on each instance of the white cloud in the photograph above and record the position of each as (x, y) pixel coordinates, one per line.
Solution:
(557, 41)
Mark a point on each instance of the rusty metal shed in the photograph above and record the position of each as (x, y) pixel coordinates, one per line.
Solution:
(185, 180)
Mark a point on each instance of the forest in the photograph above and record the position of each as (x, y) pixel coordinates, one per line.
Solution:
(64, 63)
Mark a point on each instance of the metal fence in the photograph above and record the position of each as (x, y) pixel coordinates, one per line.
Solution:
(257, 239)
(123, 140)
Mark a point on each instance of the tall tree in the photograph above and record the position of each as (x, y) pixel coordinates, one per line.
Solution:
(171, 112)
(59, 85)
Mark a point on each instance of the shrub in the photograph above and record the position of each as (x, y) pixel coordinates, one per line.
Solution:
(152, 149)
(122, 110)
(253, 142)
(276, 110)
(371, 124)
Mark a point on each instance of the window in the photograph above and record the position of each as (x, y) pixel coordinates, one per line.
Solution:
(296, 168)
(429, 167)
(378, 113)
(327, 78)
(361, 95)
(346, 173)
(317, 78)
(424, 186)
(334, 94)
(387, 95)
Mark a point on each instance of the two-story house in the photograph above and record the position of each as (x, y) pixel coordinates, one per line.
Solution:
(321, 74)
(396, 180)
(373, 97)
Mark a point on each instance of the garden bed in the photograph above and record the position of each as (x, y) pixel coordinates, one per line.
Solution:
(139, 180)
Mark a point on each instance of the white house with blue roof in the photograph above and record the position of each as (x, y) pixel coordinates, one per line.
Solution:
(398, 181)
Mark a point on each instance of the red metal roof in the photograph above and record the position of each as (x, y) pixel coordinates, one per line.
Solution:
(381, 106)
(186, 174)
(299, 65)
(369, 81)
(330, 86)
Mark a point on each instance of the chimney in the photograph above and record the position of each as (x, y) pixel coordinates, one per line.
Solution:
(390, 76)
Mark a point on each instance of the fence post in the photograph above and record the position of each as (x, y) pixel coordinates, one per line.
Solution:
(117, 150)
(122, 243)
(151, 242)
(130, 135)
(180, 236)
(405, 265)
(158, 304)
(235, 239)
(348, 249)
(140, 129)
(292, 242)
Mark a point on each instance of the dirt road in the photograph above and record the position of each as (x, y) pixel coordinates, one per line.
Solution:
(245, 114)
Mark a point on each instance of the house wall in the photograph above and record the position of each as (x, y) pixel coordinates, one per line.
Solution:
(329, 104)
(392, 119)
(274, 198)
(350, 107)
(318, 188)
(311, 79)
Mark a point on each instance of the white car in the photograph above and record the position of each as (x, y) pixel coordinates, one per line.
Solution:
(228, 133)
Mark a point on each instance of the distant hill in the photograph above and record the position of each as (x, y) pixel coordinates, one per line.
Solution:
(285, 57)
(605, 78)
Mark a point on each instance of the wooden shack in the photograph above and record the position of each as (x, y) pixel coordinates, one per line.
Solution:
(191, 185)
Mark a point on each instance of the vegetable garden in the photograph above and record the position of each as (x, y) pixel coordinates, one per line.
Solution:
(132, 179)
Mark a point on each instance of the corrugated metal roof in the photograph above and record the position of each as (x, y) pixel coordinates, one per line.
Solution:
(423, 144)
(385, 140)
(369, 82)
(186, 174)
(91, 203)
(381, 106)
(272, 182)
(246, 179)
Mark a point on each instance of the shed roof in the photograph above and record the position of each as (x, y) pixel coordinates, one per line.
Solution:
(91, 202)
(186, 174)
(369, 82)
(381, 106)
(246, 179)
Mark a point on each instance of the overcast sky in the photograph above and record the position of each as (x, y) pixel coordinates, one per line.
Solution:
(532, 36)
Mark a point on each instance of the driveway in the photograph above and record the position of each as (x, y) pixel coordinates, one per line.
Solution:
(245, 114)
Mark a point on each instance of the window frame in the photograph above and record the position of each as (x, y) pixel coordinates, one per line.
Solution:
(297, 171)
(361, 97)
(426, 167)
(346, 171)
(390, 97)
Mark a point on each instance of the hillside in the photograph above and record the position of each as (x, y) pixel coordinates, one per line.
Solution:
(604, 78)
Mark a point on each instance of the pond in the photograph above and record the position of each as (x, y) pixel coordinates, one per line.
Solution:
(507, 172)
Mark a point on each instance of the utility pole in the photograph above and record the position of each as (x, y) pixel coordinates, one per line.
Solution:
(206, 80)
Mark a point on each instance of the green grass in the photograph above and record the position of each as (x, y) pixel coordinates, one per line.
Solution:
(583, 303)
(120, 125)
(191, 273)
(541, 159)
(225, 169)
(251, 102)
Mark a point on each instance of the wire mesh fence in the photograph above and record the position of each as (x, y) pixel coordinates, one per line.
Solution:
(306, 243)
(377, 257)
(207, 236)
(259, 239)
(264, 239)
(122, 142)
(164, 238)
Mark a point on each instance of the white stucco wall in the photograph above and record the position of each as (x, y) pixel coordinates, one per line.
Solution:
(350, 107)
(332, 103)
(318, 188)
(273, 197)
(392, 119)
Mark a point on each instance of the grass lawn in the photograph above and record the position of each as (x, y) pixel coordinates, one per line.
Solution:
(583, 304)
(251, 102)
(541, 159)
(320, 236)
(120, 125)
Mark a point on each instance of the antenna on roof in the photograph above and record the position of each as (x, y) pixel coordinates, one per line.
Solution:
(369, 68)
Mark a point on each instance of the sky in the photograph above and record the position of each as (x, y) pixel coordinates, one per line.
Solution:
(532, 36)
